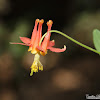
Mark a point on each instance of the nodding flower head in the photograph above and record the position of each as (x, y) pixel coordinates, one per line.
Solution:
(37, 49)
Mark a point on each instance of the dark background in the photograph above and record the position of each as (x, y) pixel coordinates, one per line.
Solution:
(66, 76)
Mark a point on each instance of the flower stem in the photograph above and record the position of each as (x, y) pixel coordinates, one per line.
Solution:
(75, 41)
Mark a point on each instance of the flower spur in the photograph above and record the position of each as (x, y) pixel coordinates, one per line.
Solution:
(37, 49)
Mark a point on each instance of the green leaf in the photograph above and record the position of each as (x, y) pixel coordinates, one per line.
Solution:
(96, 39)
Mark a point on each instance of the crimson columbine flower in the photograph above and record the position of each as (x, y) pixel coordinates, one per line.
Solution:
(34, 47)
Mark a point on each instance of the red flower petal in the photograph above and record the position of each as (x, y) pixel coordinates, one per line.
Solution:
(25, 40)
(57, 49)
(51, 43)
(38, 37)
(33, 37)
(39, 48)
(46, 40)
(20, 44)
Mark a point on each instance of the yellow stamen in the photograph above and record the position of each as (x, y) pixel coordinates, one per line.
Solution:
(36, 64)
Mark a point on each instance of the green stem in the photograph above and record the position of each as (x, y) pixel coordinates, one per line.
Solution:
(81, 44)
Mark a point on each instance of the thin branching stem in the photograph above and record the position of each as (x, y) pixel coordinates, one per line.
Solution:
(73, 40)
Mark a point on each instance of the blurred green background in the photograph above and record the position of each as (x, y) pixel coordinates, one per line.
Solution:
(66, 76)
